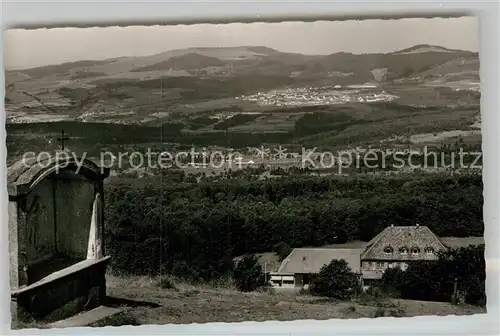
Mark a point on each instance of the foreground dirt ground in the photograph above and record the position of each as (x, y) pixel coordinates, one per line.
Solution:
(145, 302)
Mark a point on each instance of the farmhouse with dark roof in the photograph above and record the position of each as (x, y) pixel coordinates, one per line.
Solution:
(396, 246)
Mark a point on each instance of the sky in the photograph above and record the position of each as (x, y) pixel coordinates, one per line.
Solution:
(38, 47)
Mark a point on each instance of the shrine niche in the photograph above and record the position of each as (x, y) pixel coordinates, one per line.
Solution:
(56, 233)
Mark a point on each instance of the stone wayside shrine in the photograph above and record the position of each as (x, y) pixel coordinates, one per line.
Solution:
(57, 257)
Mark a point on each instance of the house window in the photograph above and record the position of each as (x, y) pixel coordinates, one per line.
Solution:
(403, 250)
(380, 264)
(429, 250)
(415, 251)
(388, 250)
(369, 264)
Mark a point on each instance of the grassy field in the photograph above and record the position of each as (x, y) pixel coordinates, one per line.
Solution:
(269, 123)
(146, 302)
(455, 242)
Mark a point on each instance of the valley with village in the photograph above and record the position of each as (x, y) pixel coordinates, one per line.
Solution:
(260, 234)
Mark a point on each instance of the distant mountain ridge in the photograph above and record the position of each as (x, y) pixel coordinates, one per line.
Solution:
(183, 62)
(244, 51)
(226, 72)
(427, 48)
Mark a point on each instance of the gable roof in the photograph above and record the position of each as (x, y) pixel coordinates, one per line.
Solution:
(408, 237)
(310, 260)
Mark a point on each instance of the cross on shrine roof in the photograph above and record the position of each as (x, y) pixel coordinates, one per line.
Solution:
(62, 138)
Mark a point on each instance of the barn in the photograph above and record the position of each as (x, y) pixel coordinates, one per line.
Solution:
(302, 264)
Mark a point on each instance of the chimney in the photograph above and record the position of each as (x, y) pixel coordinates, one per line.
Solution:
(417, 225)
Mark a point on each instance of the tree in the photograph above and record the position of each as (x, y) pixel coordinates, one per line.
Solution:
(420, 282)
(282, 249)
(434, 280)
(247, 274)
(336, 280)
(468, 266)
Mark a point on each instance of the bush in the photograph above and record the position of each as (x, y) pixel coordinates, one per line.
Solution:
(336, 280)
(247, 274)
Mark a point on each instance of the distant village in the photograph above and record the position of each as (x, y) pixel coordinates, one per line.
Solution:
(269, 161)
(318, 96)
